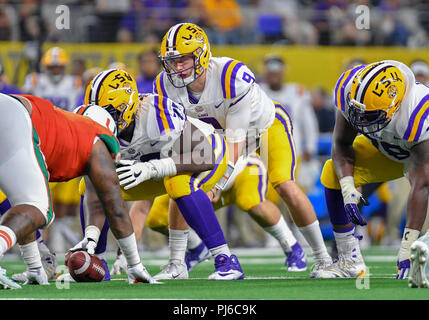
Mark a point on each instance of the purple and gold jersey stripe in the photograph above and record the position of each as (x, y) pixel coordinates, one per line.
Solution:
(218, 159)
(158, 85)
(229, 73)
(285, 119)
(417, 119)
(340, 101)
(163, 116)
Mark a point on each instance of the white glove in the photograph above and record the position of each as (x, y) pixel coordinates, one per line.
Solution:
(132, 173)
(89, 242)
(138, 273)
(86, 244)
(352, 198)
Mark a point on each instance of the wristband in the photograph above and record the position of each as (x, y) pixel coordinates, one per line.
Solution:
(222, 181)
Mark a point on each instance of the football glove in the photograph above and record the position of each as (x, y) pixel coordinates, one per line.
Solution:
(89, 242)
(352, 198)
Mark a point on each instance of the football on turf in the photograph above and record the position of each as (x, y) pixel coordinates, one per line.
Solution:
(85, 267)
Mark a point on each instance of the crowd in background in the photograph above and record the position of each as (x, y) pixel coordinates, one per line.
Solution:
(239, 22)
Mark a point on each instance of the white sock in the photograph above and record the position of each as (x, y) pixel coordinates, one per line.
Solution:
(283, 234)
(178, 240)
(31, 255)
(223, 249)
(128, 246)
(7, 239)
(193, 240)
(314, 237)
(409, 236)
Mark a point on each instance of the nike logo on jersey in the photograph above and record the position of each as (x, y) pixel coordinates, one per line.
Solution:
(136, 174)
(152, 144)
(217, 106)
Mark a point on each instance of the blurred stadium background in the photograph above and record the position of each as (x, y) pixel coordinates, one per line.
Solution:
(316, 39)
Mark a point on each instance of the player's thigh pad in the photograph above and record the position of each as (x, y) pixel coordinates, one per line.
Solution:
(280, 148)
(158, 214)
(183, 184)
(370, 166)
(23, 171)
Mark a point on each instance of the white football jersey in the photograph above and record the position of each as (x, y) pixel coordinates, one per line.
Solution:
(410, 123)
(158, 123)
(297, 101)
(230, 100)
(63, 94)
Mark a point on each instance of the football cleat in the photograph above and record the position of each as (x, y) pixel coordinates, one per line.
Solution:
(320, 264)
(6, 282)
(37, 276)
(173, 270)
(138, 273)
(227, 268)
(49, 264)
(295, 260)
(350, 263)
(119, 265)
(419, 271)
(196, 255)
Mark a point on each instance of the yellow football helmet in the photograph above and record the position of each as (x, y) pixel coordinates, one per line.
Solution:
(54, 63)
(116, 91)
(185, 40)
(376, 93)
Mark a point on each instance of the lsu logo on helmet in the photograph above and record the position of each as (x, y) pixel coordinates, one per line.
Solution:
(180, 41)
(376, 93)
(116, 91)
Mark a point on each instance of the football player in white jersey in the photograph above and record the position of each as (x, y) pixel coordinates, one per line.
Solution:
(381, 134)
(222, 91)
(164, 151)
(53, 83)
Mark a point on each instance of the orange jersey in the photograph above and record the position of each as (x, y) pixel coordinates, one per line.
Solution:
(66, 139)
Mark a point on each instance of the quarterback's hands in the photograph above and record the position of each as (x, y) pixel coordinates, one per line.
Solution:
(87, 244)
(352, 198)
(132, 173)
(214, 194)
(138, 273)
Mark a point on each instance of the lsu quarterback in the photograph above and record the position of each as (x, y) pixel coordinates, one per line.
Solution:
(222, 91)
(164, 152)
(380, 134)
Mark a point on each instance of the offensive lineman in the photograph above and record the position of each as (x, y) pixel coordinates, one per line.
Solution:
(381, 134)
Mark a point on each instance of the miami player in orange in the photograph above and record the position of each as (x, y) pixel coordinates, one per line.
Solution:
(41, 144)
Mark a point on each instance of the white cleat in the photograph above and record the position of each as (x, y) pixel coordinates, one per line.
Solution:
(173, 270)
(37, 276)
(319, 265)
(345, 267)
(120, 265)
(418, 271)
(6, 282)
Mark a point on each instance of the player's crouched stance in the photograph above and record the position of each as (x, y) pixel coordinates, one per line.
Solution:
(383, 102)
(41, 151)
